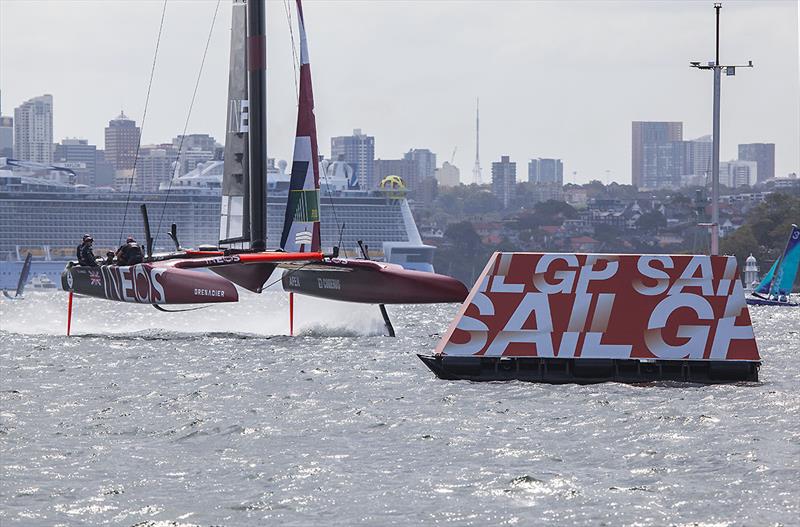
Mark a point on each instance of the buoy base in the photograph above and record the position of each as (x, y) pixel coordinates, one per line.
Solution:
(589, 371)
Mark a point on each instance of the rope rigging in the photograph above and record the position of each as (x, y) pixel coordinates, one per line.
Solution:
(186, 123)
(144, 118)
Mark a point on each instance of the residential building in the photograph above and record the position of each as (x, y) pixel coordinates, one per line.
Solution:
(122, 139)
(33, 130)
(358, 151)
(425, 161)
(448, 175)
(153, 167)
(80, 156)
(103, 170)
(405, 168)
(504, 179)
(737, 173)
(546, 171)
(646, 136)
(6, 136)
(764, 156)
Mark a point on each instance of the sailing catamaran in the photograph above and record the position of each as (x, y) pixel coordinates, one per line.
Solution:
(23, 279)
(776, 286)
(241, 257)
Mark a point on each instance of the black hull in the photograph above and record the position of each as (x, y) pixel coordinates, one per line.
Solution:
(758, 301)
(589, 371)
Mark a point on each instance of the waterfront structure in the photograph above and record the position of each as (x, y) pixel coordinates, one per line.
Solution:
(358, 151)
(6, 136)
(764, 156)
(750, 275)
(737, 173)
(504, 179)
(546, 171)
(448, 175)
(33, 130)
(121, 141)
(648, 169)
(80, 156)
(48, 218)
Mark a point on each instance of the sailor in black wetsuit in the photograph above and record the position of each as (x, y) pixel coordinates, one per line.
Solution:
(130, 253)
(85, 255)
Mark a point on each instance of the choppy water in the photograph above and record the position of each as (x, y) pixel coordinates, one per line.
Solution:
(207, 419)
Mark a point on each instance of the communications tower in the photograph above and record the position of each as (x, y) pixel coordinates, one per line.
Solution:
(476, 170)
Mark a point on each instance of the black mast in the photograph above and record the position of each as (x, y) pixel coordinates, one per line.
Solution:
(257, 131)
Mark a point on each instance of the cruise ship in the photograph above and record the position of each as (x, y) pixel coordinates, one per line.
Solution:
(48, 218)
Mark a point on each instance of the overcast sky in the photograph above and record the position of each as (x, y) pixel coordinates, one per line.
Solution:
(555, 79)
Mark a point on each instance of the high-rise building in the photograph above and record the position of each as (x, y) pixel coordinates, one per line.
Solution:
(738, 173)
(358, 151)
(103, 171)
(6, 136)
(195, 150)
(504, 179)
(646, 136)
(122, 140)
(405, 168)
(153, 167)
(80, 156)
(546, 171)
(425, 161)
(448, 175)
(763, 154)
(33, 130)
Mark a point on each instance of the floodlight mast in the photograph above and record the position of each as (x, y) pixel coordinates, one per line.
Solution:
(729, 70)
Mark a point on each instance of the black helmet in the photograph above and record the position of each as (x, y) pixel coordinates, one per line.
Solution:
(88, 238)
(130, 239)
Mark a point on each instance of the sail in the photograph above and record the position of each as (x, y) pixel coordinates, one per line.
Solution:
(766, 282)
(234, 215)
(790, 261)
(301, 227)
(23, 276)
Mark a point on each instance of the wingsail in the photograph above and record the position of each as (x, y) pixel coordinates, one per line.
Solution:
(234, 226)
(301, 227)
(23, 279)
(790, 261)
(779, 280)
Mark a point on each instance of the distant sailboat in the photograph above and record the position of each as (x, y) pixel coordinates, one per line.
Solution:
(776, 286)
(23, 279)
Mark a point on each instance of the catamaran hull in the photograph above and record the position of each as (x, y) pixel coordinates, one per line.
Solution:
(755, 301)
(148, 284)
(374, 283)
(588, 371)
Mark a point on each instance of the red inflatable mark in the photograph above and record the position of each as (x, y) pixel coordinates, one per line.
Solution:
(605, 306)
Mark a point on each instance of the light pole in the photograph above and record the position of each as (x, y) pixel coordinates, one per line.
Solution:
(729, 71)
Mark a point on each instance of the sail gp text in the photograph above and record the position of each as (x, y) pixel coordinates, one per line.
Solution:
(605, 306)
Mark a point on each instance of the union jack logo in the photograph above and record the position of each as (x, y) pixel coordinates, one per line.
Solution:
(94, 278)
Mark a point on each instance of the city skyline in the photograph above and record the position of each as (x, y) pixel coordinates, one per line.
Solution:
(395, 94)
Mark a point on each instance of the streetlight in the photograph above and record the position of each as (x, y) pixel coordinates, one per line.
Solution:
(729, 71)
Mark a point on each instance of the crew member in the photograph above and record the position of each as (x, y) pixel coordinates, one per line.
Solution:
(85, 255)
(130, 253)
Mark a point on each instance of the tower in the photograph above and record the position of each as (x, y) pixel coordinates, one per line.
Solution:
(476, 170)
(750, 272)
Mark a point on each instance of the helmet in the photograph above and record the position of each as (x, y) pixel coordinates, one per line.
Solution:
(88, 238)
(129, 239)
